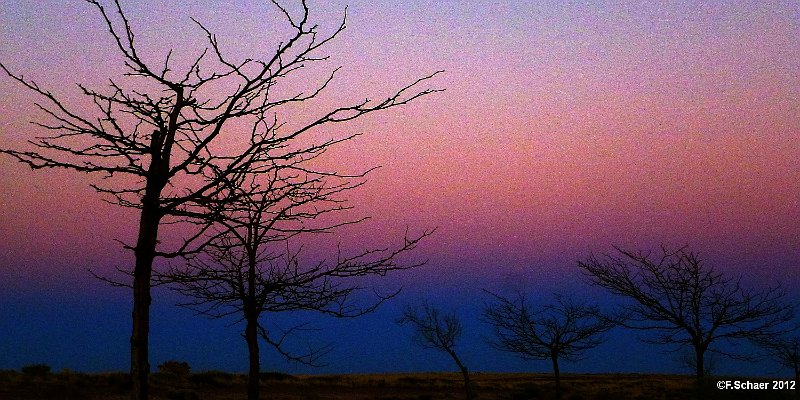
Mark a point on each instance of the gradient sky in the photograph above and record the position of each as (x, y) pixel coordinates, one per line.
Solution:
(566, 128)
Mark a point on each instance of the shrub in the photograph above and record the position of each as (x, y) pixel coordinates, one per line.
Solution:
(38, 370)
(173, 367)
(275, 376)
(212, 378)
(118, 382)
(8, 376)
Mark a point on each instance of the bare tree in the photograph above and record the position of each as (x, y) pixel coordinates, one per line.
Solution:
(248, 269)
(154, 136)
(687, 302)
(564, 330)
(434, 330)
(786, 350)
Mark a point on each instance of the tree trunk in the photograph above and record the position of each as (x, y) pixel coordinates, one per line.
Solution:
(467, 385)
(145, 254)
(252, 312)
(700, 365)
(557, 373)
(464, 372)
(254, 372)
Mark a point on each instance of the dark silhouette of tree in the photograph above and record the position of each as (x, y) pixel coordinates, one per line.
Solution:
(434, 330)
(786, 350)
(687, 302)
(564, 330)
(248, 269)
(156, 136)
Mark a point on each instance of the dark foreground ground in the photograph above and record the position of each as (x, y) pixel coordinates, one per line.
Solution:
(417, 386)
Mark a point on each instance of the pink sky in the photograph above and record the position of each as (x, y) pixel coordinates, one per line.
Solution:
(564, 128)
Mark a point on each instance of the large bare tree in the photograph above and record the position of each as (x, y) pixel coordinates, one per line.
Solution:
(438, 331)
(688, 303)
(248, 269)
(156, 135)
(564, 330)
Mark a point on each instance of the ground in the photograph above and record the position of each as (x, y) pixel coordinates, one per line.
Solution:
(412, 386)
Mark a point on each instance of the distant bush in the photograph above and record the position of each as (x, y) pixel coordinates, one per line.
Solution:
(7, 376)
(118, 382)
(38, 370)
(275, 376)
(213, 378)
(330, 379)
(379, 382)
(173, 367)
(412, 380)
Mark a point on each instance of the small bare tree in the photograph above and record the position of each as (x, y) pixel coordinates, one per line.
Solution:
(165, 142)
(687, 302)
(434, 330)
(564, 330)
(248, 269)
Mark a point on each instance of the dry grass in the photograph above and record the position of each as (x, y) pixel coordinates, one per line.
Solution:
(214, 385)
